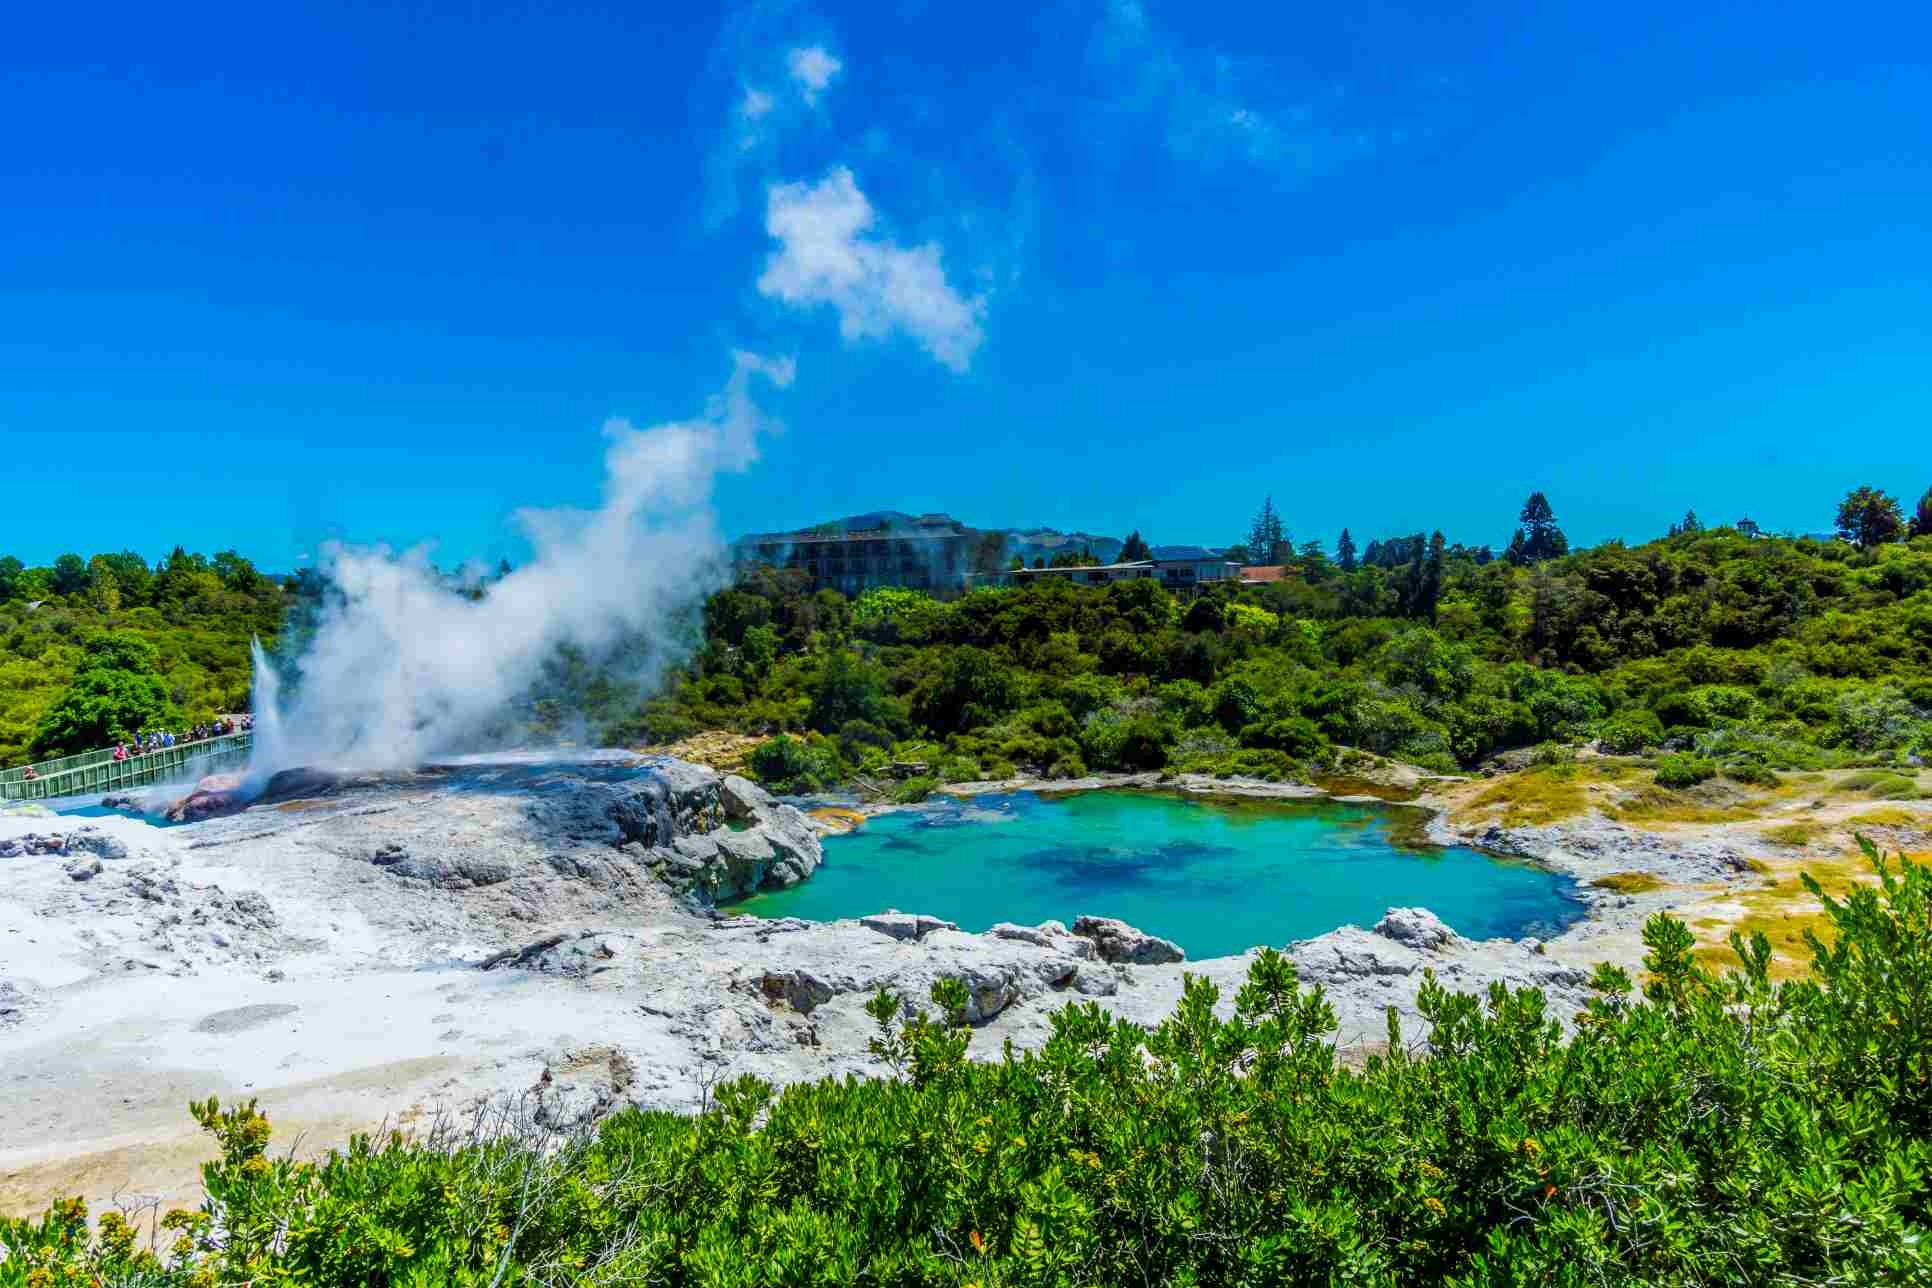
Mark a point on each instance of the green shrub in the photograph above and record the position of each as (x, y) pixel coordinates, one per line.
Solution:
(789, 765)
(1297, 736)
(1630, 732)
(914, 790)
(1881, 784)
(1684, 770)
(1754, 772)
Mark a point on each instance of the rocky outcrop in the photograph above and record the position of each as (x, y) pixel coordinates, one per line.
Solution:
(1048, 934)
(81, 841)
(904, 925)
(1116, 941)
(574, 955)
(708, 838)
(215, 795)
(456, 869)
(579, 1086)
(1594, 846)
(1418, 928)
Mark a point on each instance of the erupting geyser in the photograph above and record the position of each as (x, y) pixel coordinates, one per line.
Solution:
(402, 667)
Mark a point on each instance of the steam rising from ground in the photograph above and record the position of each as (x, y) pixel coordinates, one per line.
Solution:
(404, 667)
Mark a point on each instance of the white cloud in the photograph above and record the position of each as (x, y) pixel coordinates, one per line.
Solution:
(825, 257)
(813, 69)
(1213, 108)
(756, 103)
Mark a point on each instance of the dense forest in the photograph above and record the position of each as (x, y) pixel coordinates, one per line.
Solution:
(1744, 649)
(92, 650)
(1695, 1130)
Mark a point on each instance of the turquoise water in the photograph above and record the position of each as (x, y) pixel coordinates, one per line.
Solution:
(1217, 878)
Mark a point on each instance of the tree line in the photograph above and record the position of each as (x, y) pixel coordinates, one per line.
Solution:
(95, 649)
(1763, 653)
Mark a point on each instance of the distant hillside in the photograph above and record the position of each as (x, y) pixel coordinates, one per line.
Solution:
(1044, 543)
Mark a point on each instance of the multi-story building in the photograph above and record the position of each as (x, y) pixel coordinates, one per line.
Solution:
(1183, 569)
(929, 553)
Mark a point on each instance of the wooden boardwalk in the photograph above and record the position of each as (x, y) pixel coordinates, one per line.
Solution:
(98, 772)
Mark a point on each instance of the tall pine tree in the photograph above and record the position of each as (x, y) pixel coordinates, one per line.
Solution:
(1922, 516)
(1267, 544)
(1538, 538)
(1431, 577)
(1345, 552)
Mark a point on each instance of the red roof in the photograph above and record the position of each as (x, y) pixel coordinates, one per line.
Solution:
(1261, 573)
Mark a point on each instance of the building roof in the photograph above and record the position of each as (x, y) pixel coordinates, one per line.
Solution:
(1261, 574)
(1069, 568)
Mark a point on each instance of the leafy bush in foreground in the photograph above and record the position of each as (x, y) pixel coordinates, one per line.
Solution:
(1702, 1130)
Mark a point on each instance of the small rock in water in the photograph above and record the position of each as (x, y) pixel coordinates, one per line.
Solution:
(84, 868)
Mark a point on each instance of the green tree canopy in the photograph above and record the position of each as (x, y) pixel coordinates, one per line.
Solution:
(849, 688)
(1537, 538)
(1868, 517)
(70, 575)
(1922, 516)
(1266, 540)
(117, 692)
(1134, 549)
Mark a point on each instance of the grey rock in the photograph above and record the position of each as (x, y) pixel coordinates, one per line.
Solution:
(581, 1086)
(1116, 941)
(801, 990)
(574, 955)
(91, 840)
(1048, 934)
(1417, 927)
(32, 844)
(743, 799)
(251, 908)
(83, 867)
(14, 1004)
(240, 1018)
(904, 925)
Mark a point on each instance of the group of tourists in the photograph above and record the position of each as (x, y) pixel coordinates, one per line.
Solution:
(145, 742)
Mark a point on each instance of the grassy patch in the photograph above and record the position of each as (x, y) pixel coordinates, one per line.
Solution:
(1661, 805)
(1889, 816)
(1533, 797)
(1783, 911)
(1628, 882)
(1881, 784)
(1790, 956)
(1797, 834)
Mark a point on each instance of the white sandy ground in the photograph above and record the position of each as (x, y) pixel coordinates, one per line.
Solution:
(359, 1002)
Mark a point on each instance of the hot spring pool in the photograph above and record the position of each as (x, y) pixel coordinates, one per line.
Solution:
(1215, 877)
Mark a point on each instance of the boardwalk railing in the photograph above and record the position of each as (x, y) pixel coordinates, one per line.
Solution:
(98, 771)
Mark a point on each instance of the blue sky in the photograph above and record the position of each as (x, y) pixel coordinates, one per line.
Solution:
(275, 274)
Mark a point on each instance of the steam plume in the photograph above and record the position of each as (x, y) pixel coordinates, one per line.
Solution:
(402, 667)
